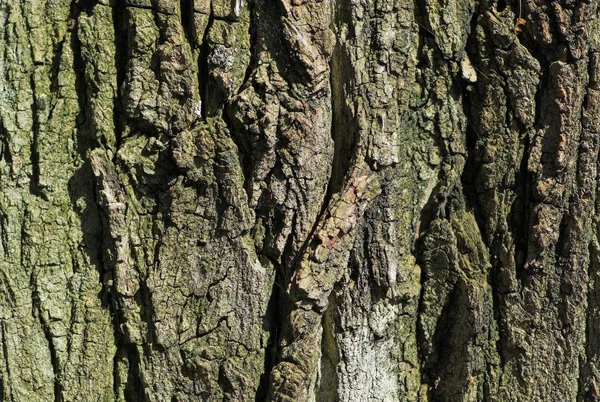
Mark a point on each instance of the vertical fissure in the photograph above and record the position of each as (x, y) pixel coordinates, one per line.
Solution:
(55, 67)
(85, 130)
(134, 388)
(328, 387)
(4, 144)
(34, 184)
(273, 321)
(203, 64)
(520, 221)
(186, 9)
(121, 41)
(343, 133)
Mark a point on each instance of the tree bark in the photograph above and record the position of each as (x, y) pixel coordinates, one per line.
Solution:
(299, 200)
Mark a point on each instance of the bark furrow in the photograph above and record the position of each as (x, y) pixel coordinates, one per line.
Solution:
(299, 200)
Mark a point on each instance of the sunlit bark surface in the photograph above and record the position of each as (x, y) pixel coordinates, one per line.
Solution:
(299, 200)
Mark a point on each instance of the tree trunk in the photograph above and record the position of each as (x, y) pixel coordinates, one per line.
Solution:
(299, 200)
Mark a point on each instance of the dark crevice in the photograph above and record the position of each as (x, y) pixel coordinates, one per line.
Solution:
(203, 64)
(134, 387)
(494, 283)
(273, 322)
(143, 299)
(86, 138)
(226, 18)
(86, 6)
(37, 106)
(354, 267)
(290, 260)
(420, 331)
(187, 20)
(5, 147)
(4, 233)
(120, 26)
(343, 126)
(144, 7)
(501, 5)
(55, 67)
(34, 183)
(23, 236)
(328, 387)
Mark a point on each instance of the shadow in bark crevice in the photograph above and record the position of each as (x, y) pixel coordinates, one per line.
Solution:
(273, 322)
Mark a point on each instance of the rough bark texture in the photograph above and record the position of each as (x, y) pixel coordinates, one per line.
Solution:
(299, 200)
